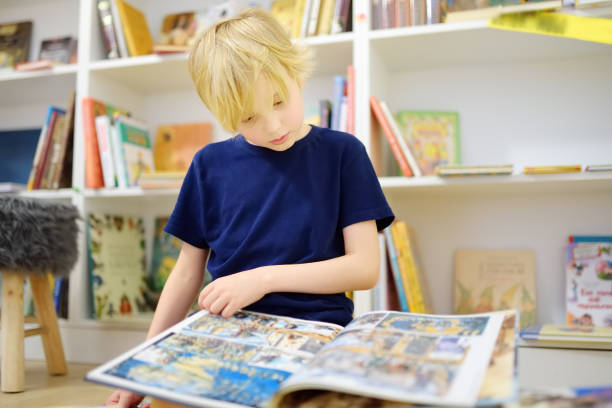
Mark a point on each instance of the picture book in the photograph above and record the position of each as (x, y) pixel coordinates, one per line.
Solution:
(15, 41)
(563, 397)
(589, 284)
(261, 360)
(116, 254)
(487, 280)
(58, 49)
(135, 148)
(175, 145)
(433, 137)
(166, 249)
(563, 336)
(17, 148)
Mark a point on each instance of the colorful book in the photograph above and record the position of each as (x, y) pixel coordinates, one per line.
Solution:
(175, 145)
(432, 136)
(487, 280)
(552, 169)
(116, 253)
(400, 140)
(589, 284)
(589, 238)
(391, 138)
(395, 271)
(598, 167)
(135, 29)
(109, 35)
(563, 336)
(15, 39)
(166, 249)
(17, 148)
(135, 148)
(62, 174)
(261, 360)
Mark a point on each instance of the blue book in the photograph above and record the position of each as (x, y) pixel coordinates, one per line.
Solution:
(589, 238)
(17, 148)
(338, 93)
(401, 292)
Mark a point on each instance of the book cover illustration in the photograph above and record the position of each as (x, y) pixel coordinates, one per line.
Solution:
(136, 151)
(487, 280)
(116, 249)
(135, 29)
(175, 145)
(589, 284)
(432, 136)
(254, 359)
(15, 41)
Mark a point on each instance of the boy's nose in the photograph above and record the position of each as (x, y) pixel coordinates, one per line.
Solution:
(273, 123)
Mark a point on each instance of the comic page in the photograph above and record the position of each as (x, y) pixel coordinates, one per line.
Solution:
(208, 360)
(405, 358)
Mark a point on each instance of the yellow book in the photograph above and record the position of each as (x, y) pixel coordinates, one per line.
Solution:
(552, 169)
(135, 29)
(298, 13)
(325, 17)
(283, 11)
(403, 263)
(415, 285)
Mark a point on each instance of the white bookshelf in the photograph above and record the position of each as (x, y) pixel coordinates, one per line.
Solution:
(522, 99)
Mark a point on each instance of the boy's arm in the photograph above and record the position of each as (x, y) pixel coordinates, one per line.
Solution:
(356, 270)
(180, 289)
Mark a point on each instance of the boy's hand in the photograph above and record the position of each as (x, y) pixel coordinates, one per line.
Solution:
(226, 295)
(124, 399)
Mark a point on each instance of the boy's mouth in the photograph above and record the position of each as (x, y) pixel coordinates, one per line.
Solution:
(280, 140)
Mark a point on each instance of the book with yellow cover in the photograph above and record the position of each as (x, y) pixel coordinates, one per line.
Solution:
(575, 168)
(563, 336)
(176, 144)
(135, 29)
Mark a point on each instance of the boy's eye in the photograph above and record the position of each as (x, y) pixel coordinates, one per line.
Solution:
(249, 119)
(277, 103)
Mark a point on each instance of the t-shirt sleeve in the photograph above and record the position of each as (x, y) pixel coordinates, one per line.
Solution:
(187, 219)
(361, 196)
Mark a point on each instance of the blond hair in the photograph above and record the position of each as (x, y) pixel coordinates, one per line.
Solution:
(228, 57)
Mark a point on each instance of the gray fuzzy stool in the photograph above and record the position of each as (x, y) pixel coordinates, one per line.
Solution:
(36, 238)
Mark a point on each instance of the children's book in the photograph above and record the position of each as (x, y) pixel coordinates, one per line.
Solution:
(261, 360)
(563, 397)
(116, 252)
(552, 169)
(563, 336)
(175, 145)
(135, 29)
(487, 280)
(136, 153)
(433, 138)
(15, 39)
(166, 249)
(474, 170)
(589, 284)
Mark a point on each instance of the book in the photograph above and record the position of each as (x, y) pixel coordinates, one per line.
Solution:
(564, 336)
(51, 133)
(416, 171)
(474, 170)
(116, 259)
(497, 10)
(254, 359)
(166, 249)
(391, 138)
(432, 136)
(105, 147)
(17, 149)
(109, 36)
(135, 29)
(62, 173)
(58, 49)
(561, 397)
(176, 144)
(400, 289)
(598, 167)
(552, 169)
(589, 284)
(92, 108)
(589, 238)
(15, 41)
(136, 153)
(176, 33)
(495, 279)
(37, 65)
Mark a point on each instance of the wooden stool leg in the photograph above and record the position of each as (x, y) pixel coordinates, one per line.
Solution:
(13, 369)
(47, 318)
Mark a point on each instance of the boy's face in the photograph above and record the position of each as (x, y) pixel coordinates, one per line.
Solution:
(275, 123)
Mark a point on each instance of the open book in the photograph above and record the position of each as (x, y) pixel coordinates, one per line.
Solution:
(379, 359)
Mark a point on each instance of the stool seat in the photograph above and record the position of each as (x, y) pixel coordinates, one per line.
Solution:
(36, 237)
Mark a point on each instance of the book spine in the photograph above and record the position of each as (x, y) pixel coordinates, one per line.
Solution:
(338, 93)
(45, 151)
(401, 141)
(65, 149)
(416, 288)
(93, 167)
(350, 97)
(39, 149)
(123, 50)
(298, 13)
(56, 140)
(119, 161)
(397, 152)
(400, 251)
(104, 146)
(313, 18)
(395, 269)
(108, 31)
(326, 17)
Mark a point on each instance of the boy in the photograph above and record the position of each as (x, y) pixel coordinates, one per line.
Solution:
(286, 213)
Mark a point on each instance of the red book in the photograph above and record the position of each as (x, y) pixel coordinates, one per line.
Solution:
(386, 127)
(93, 166)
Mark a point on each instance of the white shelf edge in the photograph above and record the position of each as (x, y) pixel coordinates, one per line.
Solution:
(151, 59)
(427, 29)
(136, 324)
(64, 193)
(326, 39)
(58, 70)
(435, 181)
(130, 192)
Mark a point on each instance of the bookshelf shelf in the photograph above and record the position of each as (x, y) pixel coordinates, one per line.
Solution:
(62, 194)
(47, 73)
(471, 43)
(518, 183)
(131, 192)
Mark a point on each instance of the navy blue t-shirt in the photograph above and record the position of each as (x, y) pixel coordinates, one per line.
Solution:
(254, 206)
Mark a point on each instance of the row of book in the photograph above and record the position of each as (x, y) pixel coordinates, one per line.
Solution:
(338, 114)
(120, 153)
(15, 47)
(52, 161)
(307, 18)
